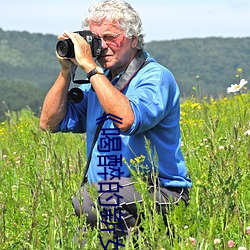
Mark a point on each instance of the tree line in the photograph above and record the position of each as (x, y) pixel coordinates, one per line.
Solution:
(202, 67)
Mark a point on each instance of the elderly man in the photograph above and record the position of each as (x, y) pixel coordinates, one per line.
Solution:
(143, 98)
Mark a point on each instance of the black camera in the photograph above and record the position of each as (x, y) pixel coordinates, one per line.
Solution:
(65, 48)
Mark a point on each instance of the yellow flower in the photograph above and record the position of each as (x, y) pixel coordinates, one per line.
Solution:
(240, 70)
(132, 162)
(137, 159)
(195, 105)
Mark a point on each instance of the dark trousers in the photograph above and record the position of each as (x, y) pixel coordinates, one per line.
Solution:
(125, 201)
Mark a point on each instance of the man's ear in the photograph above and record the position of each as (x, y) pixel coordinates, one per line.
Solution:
(134, 42)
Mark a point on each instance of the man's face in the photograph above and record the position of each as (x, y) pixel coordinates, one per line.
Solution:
(118, 50)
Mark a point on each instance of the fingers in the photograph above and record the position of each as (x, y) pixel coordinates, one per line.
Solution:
(82, 49)
(63, 36)
(70, 35)
(66, 60)
(75, 37)
(67, 35)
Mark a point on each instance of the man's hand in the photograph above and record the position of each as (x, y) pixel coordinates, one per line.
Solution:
(83, 54)
(66, 63)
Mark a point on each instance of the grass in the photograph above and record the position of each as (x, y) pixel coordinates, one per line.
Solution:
(40, 172)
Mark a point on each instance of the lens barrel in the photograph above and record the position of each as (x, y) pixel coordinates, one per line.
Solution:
(75, 95)
(65, 48)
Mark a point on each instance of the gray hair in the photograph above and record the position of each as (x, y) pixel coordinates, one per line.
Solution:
(120, 13)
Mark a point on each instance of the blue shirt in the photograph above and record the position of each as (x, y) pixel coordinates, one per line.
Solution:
(154, 97)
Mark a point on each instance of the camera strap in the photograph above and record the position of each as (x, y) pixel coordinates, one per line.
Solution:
(136, 64)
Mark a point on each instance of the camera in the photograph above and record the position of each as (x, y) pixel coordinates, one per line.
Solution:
(65, 48)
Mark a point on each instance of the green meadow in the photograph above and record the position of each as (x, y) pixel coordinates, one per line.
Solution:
(40, 172)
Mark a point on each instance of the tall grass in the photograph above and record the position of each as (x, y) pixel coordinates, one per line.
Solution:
(40, 172)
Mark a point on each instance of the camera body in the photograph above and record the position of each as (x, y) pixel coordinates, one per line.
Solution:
(65, 48)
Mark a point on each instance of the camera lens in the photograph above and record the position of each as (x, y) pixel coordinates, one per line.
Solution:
(65, 48)
(75, 95)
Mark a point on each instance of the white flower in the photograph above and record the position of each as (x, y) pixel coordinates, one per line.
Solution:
(246, 133)
(242, 248)
(22, 210)
(217, 241)
(237, 87)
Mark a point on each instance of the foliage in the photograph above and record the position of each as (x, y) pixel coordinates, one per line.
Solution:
(28, 58)
(14, 95)
(208, 62)
(28, 68)
(204, 64)
(41, 171)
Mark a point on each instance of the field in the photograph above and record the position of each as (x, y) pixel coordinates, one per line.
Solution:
(40, 172)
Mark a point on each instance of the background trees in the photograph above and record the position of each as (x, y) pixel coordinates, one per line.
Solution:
(202, 67)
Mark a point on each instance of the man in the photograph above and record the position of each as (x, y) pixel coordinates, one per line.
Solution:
(140, 94)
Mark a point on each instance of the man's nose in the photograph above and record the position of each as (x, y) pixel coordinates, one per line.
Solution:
(104, 44)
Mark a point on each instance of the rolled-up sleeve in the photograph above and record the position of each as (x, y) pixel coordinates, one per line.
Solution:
(152, 99)
(75, 117)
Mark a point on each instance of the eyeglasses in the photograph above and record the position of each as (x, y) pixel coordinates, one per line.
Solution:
(110, 38)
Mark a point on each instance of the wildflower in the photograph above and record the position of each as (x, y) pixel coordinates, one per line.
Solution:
(198, 182)
(230, 244)
(132, 162)
(242, 248)
(237, 87)
(14, 188)
(137, 160)
(247, 133)
(192, 240)
(221, 147)
(216, 241)
(248, 230)
(45, 216)
(240, 70)
(195, 106)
